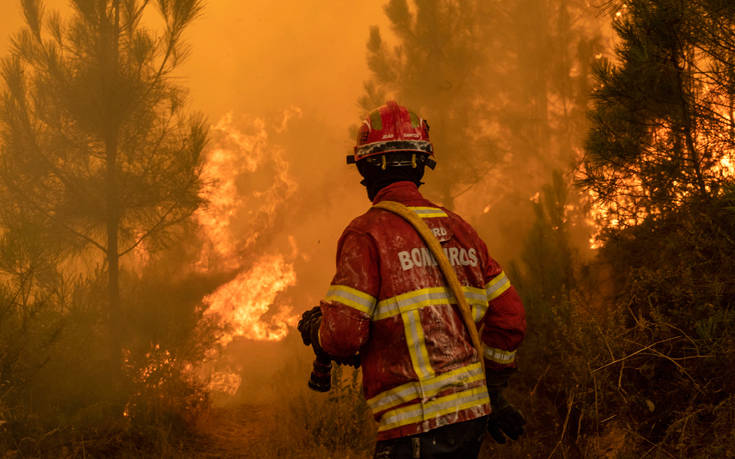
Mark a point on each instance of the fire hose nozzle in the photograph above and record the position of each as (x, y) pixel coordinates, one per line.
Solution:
(321, 374)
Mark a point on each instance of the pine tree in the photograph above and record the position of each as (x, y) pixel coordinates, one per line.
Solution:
(97, 149)
(504, 86)
(663, 121)
(658, 163)
(437, 69)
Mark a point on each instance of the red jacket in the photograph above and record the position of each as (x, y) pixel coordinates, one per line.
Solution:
(388, 300)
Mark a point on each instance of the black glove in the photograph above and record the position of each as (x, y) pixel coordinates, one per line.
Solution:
(309, 320)
(505, 419)
(309, 328)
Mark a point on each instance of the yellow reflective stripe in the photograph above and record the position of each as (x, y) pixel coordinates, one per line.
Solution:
(499, 356)
(478, 311)
(428, 212)
(474, 294)
(416, 345)
(451, 403)
(413, 300)
(497, 286)
(351, 297)
(416, 299)
(477, 298)
(426, 389)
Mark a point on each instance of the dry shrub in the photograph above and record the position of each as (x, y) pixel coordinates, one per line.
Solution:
(68, 390)
(308, 424)
(633, 354)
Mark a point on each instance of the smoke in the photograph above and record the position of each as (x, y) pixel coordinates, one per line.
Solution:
(279, 82)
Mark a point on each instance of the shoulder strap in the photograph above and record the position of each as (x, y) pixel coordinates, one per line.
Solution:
(451, 277)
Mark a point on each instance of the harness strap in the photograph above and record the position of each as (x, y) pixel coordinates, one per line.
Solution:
(449, 274)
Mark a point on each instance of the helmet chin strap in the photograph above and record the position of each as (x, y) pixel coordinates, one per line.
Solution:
(375, 178)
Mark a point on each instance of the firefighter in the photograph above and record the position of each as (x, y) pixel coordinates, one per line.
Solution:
(429, 391)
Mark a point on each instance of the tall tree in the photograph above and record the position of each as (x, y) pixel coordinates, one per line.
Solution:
(663, 117)
(437, 69)
(503, 84)
(658, 163)
(97, 149)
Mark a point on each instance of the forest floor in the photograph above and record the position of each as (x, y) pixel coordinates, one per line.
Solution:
(233, 431)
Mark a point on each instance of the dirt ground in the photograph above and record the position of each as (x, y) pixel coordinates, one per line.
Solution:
(232, 431)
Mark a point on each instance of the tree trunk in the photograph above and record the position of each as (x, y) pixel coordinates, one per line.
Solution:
(113, 217)
(686, 120)
(113, 201)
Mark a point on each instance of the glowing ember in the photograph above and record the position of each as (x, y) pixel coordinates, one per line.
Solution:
(245, 301)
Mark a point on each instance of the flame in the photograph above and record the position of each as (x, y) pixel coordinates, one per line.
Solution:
(246, 300)
(237, 213)
(248, 185)
(630, 190)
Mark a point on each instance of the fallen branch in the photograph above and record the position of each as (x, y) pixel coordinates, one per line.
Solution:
(535, 386)
(635, 353)
(570, 403)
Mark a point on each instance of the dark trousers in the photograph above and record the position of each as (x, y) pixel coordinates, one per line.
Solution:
(460, 440)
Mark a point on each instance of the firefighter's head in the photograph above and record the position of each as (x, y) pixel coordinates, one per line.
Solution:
(392, 146)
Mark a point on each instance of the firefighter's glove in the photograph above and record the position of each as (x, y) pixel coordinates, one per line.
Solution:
(505, 419)
(308, 320)
(309, 328)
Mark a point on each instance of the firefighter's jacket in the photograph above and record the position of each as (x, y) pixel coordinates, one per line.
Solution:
(389, 301)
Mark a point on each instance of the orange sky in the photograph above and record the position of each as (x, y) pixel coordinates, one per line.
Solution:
(260, 56)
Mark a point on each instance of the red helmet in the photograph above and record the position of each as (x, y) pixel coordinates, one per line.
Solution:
(392, 128)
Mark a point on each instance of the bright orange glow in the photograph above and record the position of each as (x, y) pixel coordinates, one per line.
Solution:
(245, 301)
(224, 382)
(239, 152)
(630, 190)
(237, 216)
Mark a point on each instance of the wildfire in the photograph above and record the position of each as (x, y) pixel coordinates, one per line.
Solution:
(245, 301)
(248, 184)
(225, 382)
(630, 191)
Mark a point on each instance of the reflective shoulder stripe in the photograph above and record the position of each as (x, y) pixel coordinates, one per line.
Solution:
(499, 356)
(351, 297)
(439, 406)
(420, 298)
(427, 388)
(429, 212)
(497, 286)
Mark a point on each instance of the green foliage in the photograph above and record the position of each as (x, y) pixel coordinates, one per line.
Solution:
(97, 150)
(436, 69)
(656, 163)
(60, 387)
(567, 331)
